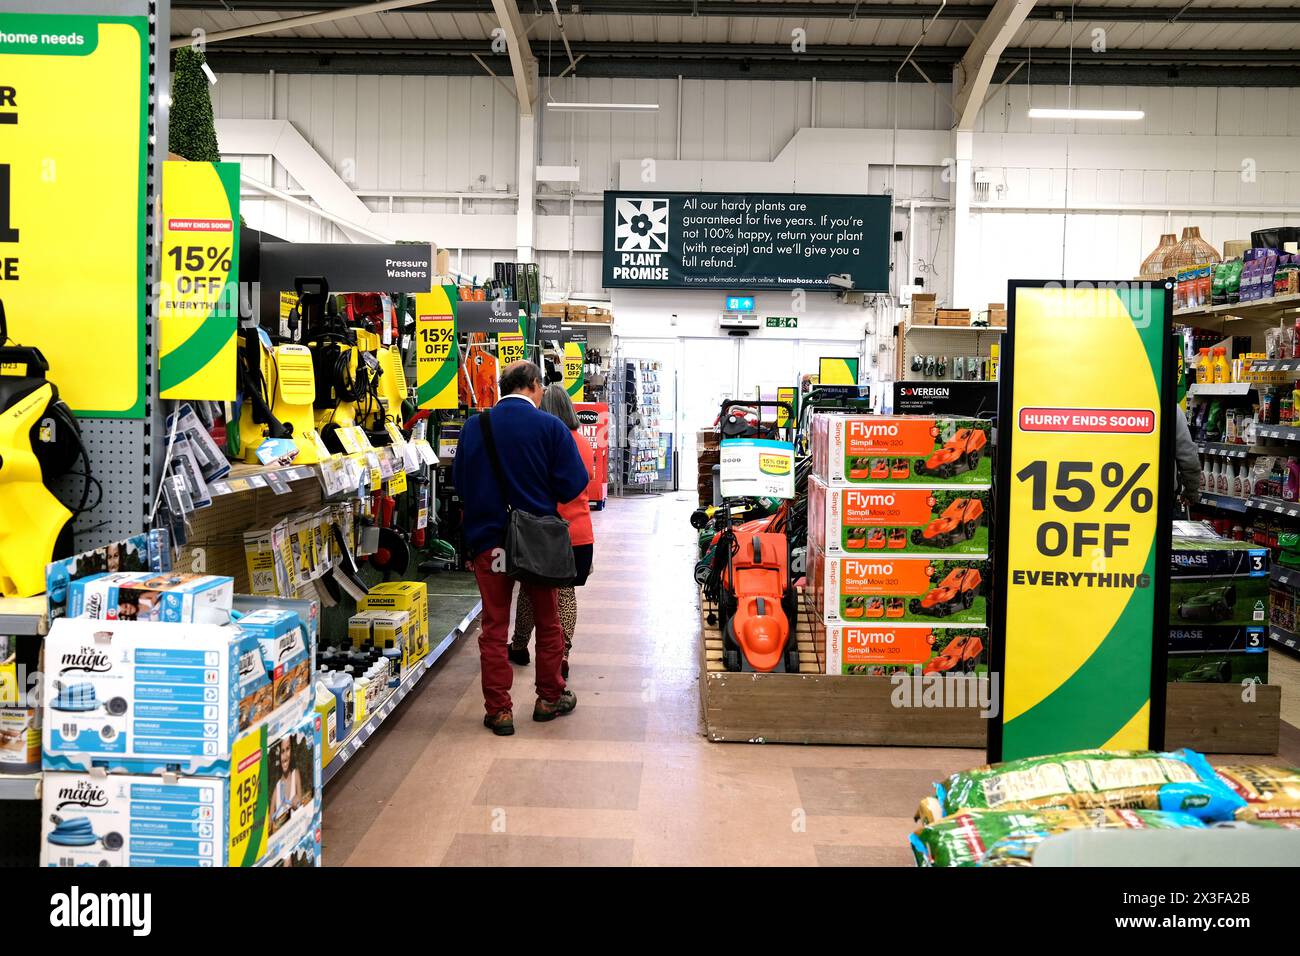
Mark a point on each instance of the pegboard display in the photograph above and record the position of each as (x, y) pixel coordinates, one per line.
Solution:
(119, 455)
(946, 342)
(216, 534)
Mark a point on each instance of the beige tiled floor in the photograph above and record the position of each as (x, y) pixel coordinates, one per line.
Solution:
(627, 778)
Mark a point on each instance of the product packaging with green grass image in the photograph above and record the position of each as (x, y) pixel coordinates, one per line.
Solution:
(891, 589)
(938, 520)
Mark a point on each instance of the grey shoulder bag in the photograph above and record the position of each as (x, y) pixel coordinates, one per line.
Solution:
(537, 547)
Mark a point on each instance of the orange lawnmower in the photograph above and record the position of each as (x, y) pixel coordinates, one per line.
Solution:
(757, 603)
(956, 592)
(961, 652)
(959, 522)
(959, 453)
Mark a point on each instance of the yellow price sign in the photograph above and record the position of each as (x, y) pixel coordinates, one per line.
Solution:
(397, 484)
(436, 358)
(1080, 633)
(198, 295)
(73, 118)
(510, 348)
(575, 357)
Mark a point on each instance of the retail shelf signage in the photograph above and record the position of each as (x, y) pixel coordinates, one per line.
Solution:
(349, 267)
(198, 293)
(575, 360)
(976, 399)
(1083, 535)
(436, 356)
(488, 317)
(73, 118)
(674, 240)
(752, 467)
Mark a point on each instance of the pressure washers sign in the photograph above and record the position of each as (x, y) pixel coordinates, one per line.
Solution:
(756, 467)
(435, 351)
(1083, 584)
(73, 159)
(198, 294)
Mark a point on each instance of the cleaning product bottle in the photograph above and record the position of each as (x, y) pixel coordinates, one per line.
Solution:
(1222, 482)
(1222, 370)
(1291, 482)
(1207, 476)
(1204, 372)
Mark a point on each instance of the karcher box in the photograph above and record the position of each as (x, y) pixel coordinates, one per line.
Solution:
(894, 520)
(897, 589)
(409, 596)
(855, 450)
(385, 629)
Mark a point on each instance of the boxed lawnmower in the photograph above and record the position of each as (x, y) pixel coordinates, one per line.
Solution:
(905, 449)
(879, 650)
(898, 519)
(898, 589)
(1217, 654)
(1216, 581)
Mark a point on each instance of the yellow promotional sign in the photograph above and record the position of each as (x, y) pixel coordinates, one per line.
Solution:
(436, 357)
(1082, 609)
(791, 397)
(198, 294)
(575, 356)
(838, 371)
(73, 159)
(510, 348)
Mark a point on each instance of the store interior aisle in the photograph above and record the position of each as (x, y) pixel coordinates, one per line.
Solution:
(627, 778)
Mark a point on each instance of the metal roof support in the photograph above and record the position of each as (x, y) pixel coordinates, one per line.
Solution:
(291, 23)
(981, 58)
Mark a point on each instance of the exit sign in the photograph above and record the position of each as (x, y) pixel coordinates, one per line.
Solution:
(782, 322)
(740, 303)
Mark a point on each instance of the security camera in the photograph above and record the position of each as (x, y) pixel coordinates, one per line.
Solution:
(842, 281)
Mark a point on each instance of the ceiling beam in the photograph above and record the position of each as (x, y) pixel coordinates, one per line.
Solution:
(1210, 13)
(292, 23)
(975, 70)
(522, 62)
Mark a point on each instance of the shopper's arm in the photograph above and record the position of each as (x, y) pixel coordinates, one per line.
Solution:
(568, 473)
(1189, 459)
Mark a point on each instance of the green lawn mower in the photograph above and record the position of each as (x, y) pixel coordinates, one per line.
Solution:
(1210, 605)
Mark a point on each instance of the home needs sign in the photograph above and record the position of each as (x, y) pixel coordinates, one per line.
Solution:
(754, 240)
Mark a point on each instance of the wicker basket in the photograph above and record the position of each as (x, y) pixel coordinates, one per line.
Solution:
(1191, 251)
(1153, 266)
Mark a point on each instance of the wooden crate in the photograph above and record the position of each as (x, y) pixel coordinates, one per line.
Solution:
(816, 708)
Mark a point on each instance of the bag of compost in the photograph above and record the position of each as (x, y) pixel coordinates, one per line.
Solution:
(1271, 793)
(1009, 837)
(1181, 781)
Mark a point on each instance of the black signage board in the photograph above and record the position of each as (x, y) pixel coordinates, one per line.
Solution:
(970, 399)
(489, 316)
(347, 267)
(727, 241)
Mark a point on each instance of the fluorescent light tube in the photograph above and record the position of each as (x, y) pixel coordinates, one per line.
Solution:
(602, 107)
(1048, 112)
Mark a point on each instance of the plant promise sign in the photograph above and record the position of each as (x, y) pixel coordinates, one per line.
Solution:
(754, 240)
(1079, 627)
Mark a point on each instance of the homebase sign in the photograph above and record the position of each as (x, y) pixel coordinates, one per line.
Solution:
(755, 240)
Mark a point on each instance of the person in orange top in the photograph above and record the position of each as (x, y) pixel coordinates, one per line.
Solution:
(577, 512)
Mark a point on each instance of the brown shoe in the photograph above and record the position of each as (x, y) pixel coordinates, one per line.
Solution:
(550, 709)
(502, 724)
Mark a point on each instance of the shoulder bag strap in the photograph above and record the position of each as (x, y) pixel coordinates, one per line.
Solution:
(490, 444)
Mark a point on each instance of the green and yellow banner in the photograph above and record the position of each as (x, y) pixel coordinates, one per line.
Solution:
(1081, 593)
(198, 292)
(73, 158)
(838, 371)
(575, 378)
(436, 356)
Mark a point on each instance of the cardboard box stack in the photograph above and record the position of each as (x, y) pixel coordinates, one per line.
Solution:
(708, 445)
(1218, 608)
(179, 743)
(924, 308)
(898, 543)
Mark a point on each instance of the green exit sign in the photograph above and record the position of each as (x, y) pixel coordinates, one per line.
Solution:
(782, 322)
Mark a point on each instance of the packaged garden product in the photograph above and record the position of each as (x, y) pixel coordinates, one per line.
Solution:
(1009, 837)
(1271, 793)
(1135, 779)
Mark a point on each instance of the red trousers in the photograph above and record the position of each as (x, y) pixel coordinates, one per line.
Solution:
(497, 589)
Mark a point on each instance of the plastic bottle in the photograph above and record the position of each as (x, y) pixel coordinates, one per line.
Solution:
(1204, 372)
(1207, 476)
(1220, 480)
(1291, 483)
(1222, 370)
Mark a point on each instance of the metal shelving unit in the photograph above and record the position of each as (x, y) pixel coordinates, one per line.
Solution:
(24, 617)
(1279, 432)
(1222, 389)
(1274, 506)
(1266, 310)
(20, 786)
(1224, 449)
(1226, 502)
(360, 734)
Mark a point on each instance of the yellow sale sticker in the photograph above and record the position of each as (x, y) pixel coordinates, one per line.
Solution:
(575, 356)
(73, 158)
(198, 293)
(510, 348)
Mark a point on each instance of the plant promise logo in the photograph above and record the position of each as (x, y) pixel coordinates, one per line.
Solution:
(641, 238)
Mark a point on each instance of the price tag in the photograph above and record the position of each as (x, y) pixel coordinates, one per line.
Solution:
(348, 439)
(397, 483)
(395, 435)
(276, 480)
(375, 471)
(257, 481)
(411, 457)
(385, 459)
(422, 518)
(426, 451)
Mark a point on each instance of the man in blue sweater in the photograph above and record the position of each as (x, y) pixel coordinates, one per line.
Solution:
(543, 469)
